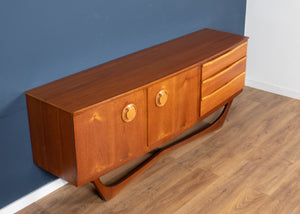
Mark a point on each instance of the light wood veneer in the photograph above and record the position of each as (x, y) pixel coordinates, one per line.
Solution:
(216, 65)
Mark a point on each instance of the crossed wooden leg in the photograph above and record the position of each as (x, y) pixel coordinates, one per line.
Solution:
(107, 192)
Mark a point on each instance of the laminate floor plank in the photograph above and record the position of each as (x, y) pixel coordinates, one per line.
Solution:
(219, 195)
(182, 192)
(250, 165)
(286, 199)
(247, 201)
(144, 190)
(34, 208)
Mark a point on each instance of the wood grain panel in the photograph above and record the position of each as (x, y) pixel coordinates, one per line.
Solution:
(103, 141)
(51, 132)
(216, 65)
(219, 96)
(36, 131)
(180, 110)
(89, 87)
(217, 81)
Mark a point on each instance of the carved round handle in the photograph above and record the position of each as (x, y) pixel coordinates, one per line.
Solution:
(129, 113)
(161, 98)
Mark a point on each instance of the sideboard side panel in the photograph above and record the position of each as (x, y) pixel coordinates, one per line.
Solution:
(52, 139)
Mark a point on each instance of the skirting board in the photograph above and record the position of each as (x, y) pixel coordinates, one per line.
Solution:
(33, 196)
(273, 88)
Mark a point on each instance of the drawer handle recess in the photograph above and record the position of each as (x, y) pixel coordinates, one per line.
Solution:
(161, 98)
(129, 113)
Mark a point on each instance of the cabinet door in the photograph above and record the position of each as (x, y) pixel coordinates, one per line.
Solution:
(110, 135)
(173, 106)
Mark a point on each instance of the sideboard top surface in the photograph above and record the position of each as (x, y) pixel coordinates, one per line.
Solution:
(86, 88)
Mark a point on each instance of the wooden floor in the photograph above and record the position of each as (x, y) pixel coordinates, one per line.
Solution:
(250, 165)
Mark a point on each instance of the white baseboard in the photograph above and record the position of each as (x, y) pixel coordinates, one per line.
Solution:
(273, 88)
(33, 196)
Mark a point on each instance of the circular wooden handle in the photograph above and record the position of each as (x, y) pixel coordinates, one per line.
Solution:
(161, 98)
(129, 113)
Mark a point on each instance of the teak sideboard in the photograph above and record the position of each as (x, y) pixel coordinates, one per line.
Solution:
(90, 123)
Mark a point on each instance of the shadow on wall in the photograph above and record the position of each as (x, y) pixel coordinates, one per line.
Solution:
(16, 105)
(16, 155)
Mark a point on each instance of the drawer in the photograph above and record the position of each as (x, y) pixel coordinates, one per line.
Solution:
(110, 135)
(179, 108)
(211, 101)
(220, 79)
(216, 65)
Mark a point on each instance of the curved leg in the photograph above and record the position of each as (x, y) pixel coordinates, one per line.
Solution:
(107, 192)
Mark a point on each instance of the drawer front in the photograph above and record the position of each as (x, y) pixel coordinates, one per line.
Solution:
(213, 100)
(180, 109)
(216, 65)
(110, 135)
(220, 79)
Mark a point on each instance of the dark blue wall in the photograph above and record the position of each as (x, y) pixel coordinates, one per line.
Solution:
(41, 41)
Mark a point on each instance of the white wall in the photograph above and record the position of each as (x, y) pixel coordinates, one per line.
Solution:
(274, 46)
